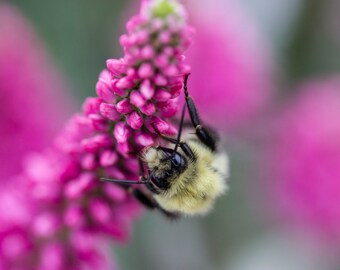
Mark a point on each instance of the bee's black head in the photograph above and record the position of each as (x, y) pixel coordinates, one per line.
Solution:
(164, 165)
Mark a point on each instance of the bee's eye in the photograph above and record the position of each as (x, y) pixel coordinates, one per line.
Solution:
(178, 162)
(159, 182)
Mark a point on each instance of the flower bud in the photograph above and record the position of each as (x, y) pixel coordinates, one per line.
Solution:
(147, 89)
(134, 120)
(116, 67)
(109, 111)
(124, 106)
(121, 132)
(145, 71)
(104, 91)
(108, 158)
(137, 99)
(148, 109)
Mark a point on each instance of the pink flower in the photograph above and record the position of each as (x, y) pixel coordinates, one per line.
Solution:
(33, 104)
(230, 80)
(72, 211)
(143, 87)
(303, 160)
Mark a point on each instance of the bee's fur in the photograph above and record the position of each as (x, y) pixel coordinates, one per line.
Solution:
(196, 188)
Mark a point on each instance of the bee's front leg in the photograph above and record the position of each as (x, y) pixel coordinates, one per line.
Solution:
(202, 133)
(145, 197)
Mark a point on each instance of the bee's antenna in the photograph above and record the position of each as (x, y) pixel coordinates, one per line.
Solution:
(186, 85)
(117, 181)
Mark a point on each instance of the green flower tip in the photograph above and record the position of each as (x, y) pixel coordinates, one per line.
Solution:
(163, 9)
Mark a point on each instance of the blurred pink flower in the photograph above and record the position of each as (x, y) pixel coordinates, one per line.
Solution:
(33, 103)
(231, 80)
(304, 157)
(71, 210)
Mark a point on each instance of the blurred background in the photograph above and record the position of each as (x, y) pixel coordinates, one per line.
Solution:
(271, 72)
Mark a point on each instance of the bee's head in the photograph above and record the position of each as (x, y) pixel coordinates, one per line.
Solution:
(164, 165)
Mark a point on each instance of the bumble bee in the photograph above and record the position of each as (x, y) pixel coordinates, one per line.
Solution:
(184, 179)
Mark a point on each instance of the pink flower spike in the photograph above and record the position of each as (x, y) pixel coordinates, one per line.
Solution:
(148, 109)
(116, 67)
(156, 24)
(132, 164)
(124, 148)
(45, 224)
(89, 162)
(160, 80)
(104, 91)
(14, 244)
(160, 125)
(137, 99)
(234, 62)
(115, 173)
(124, 106)
(144, 139)
(171, 71)
(52, 255)
(168, 51)
(145, 71)
(305, 193)
(124, 83)
(132, 74)
(165, 37)
(76, 187)
(147, 52)
(105, 76)
(89, 145)
(74, 216)
(101, 211)
(103, 140)
(115, 192)
(162, 60)
(162, 95)
(142, 36)
(185, 69)
(118, 91)
(109, 111)
(29, 84)
(147, 89)
(91, 105)
(121, 132)
(124, 41)
(98, 122)
(168, 109)
(134, 120)
(171, 131)
(108, 158)
(134, 22)
(176, 88)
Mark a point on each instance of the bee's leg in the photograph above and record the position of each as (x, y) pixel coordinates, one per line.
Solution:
(186, 149)
(202, 133)
(172, 140)
(143, 198)
(146, 198)
(141, 168)
(168, 139)
(149, 202)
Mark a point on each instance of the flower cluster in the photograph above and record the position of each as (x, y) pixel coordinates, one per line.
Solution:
(71, 209)
(233, 68)
(304, 166)
(139, 91)
(29, 85)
